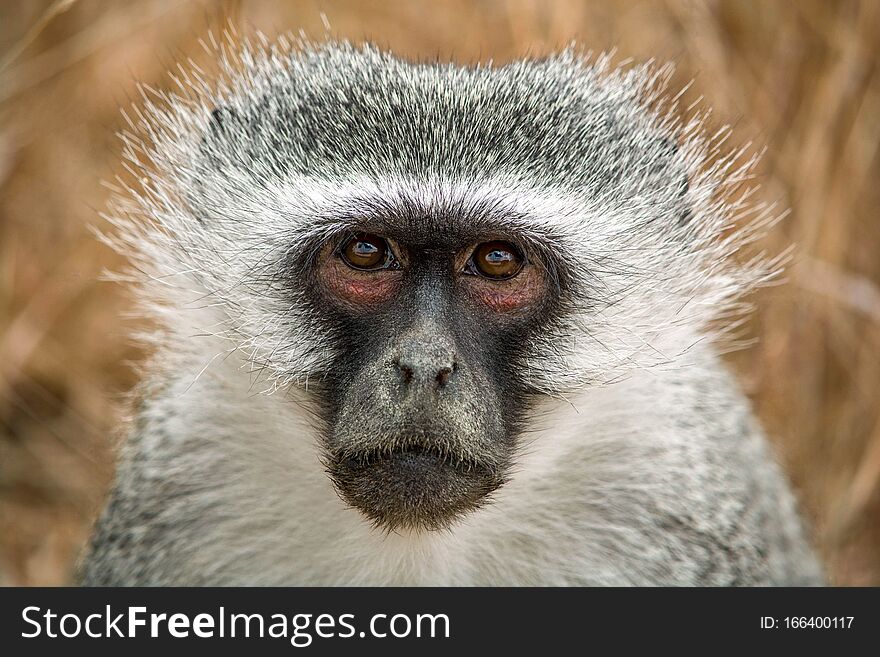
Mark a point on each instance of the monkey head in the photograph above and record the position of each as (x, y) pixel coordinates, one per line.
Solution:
(423, 250)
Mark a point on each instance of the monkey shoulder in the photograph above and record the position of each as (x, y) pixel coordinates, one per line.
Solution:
(671, 481)
(721, 505)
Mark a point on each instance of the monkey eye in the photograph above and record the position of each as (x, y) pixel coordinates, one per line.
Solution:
(496, 260)
(367, 252)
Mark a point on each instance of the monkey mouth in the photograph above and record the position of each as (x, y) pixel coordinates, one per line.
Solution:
(413, 487)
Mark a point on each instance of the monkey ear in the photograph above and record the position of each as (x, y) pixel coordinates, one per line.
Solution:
(222, 118)
(686, 214)
(669, 148)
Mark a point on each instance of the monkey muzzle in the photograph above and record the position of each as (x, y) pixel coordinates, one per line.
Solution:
(413, 486)
(418, 438)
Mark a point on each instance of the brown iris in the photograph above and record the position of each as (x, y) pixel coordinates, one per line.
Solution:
(365, 251)
(497, 260)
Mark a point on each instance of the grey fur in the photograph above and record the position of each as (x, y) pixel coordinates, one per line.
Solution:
(640, 462)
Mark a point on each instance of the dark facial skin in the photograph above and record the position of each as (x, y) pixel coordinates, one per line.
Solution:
(424, 402)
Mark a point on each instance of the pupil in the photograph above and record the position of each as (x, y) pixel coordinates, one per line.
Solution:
(499, 257)
(365, 249)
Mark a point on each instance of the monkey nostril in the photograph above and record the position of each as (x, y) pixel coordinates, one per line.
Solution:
(424, 373)
(406, 372)
(444, 374)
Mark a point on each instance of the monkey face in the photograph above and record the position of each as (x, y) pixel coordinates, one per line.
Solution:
(424, 398)
(425, 249)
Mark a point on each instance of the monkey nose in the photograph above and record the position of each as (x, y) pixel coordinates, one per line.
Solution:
(426, 367)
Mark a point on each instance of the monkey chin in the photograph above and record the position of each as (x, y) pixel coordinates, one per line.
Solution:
(413, 488)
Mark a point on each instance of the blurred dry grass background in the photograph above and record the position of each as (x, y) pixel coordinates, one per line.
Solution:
(801, 78)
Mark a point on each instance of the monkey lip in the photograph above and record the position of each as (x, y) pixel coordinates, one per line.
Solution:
(414, 487)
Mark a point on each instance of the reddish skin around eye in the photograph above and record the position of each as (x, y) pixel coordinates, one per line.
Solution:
(519, 293)
(358, 289)
(363, 290)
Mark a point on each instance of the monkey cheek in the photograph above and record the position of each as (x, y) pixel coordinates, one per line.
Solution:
(413, 488)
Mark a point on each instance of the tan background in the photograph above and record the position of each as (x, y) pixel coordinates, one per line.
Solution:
(801, 78)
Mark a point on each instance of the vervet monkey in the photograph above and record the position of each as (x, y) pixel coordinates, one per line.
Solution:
(429, 324)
